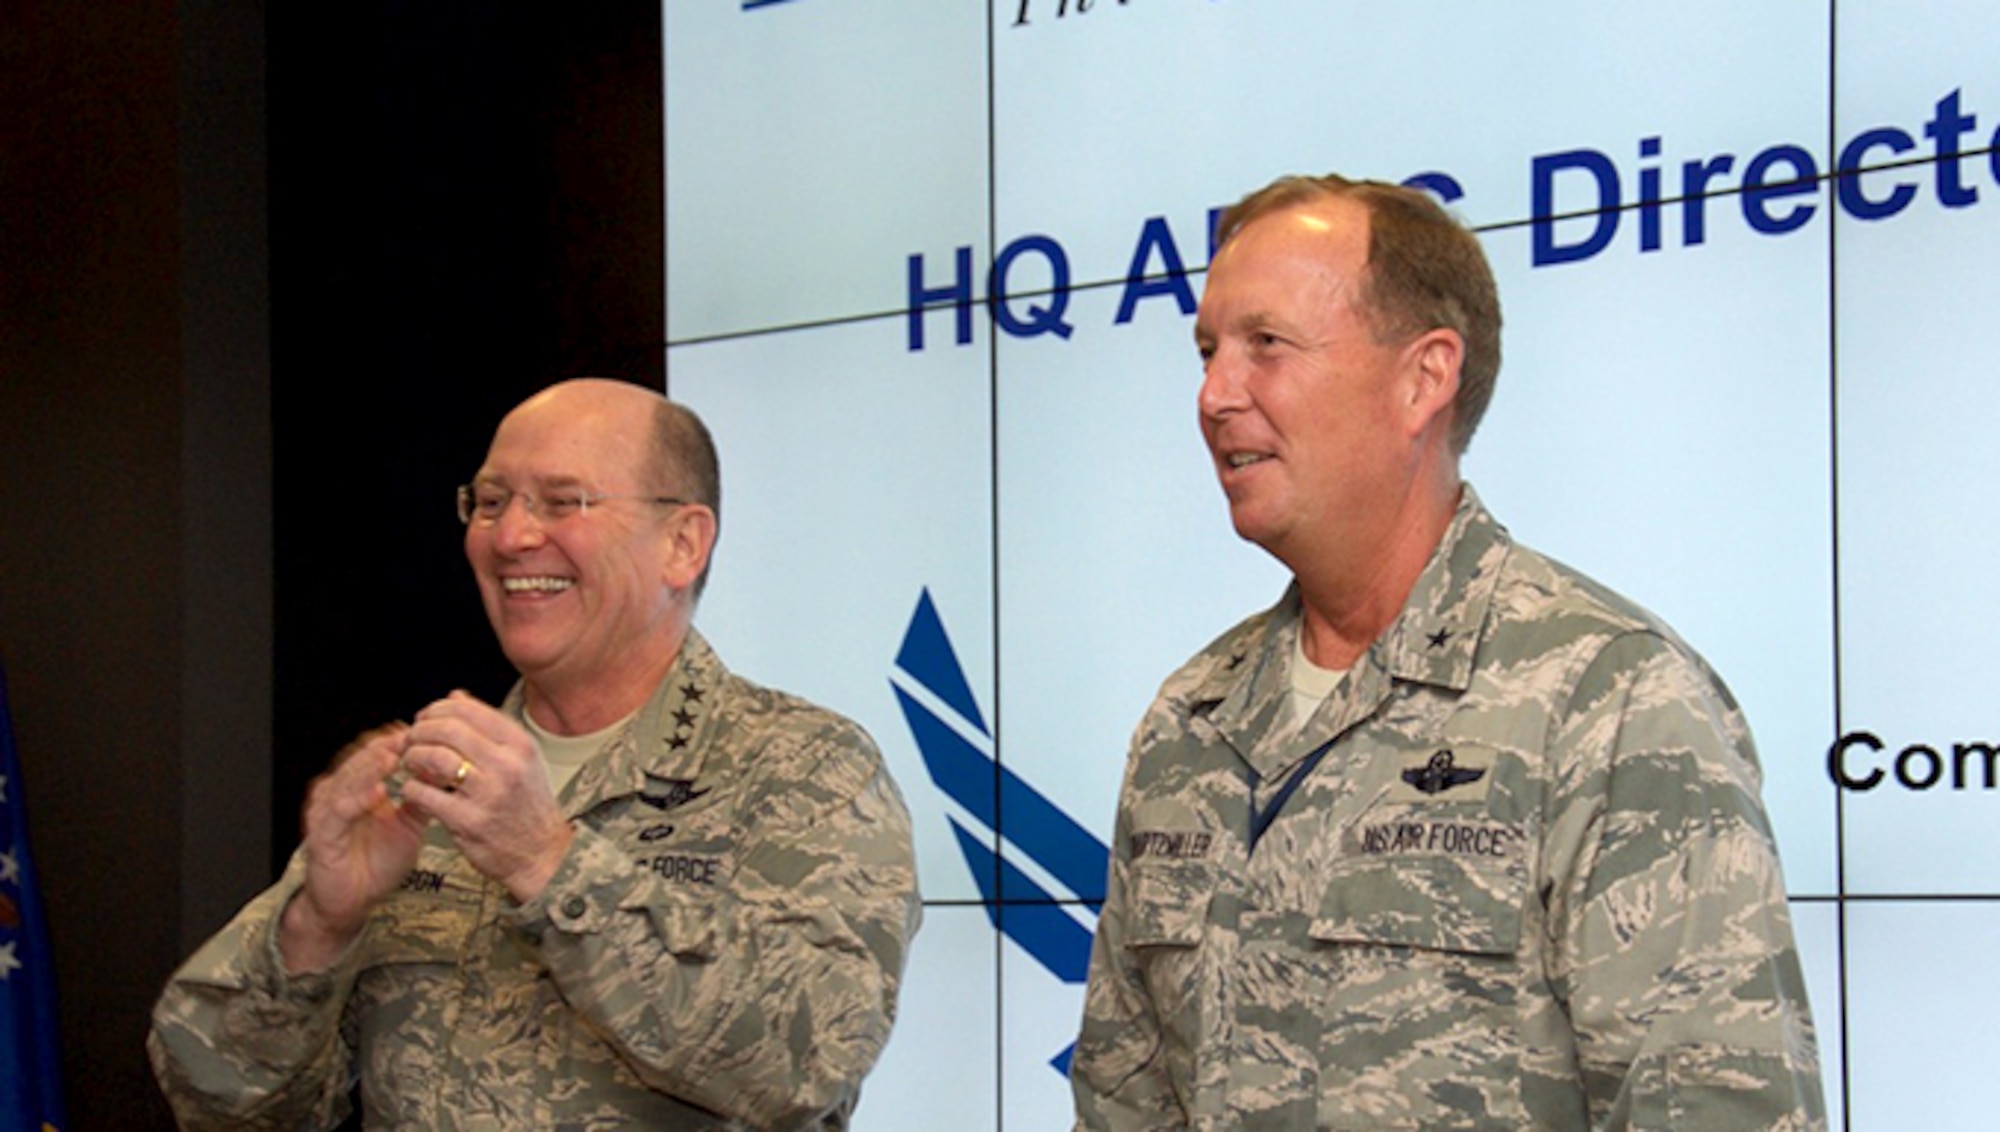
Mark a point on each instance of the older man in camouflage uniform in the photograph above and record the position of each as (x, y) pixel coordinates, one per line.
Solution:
(1450, 837)
(642, 892)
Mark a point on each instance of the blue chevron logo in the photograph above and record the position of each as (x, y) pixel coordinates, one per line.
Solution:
(1013, 820)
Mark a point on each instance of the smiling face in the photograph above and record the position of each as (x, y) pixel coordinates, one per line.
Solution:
(590, 600)
(1308, 416)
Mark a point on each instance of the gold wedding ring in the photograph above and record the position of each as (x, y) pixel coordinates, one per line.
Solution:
(464, 768)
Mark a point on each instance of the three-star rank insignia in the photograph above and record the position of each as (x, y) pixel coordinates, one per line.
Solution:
(1439, 774)
(685, 716)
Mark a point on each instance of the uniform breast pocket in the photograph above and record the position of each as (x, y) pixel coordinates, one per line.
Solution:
(1169, 912)
(429, 918)
(405, 1001)
(1424, 974)
(693, 871)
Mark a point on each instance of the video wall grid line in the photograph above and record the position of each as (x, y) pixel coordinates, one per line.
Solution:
(999, 620)
(996, 908)
(1823, 191)
(1836, 1081)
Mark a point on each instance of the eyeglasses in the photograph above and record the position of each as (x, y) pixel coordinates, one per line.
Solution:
(486, 502)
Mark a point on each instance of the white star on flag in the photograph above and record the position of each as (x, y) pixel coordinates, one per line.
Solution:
(8, 964)
(10, 869)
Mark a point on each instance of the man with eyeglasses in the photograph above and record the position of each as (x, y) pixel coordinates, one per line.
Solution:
(642, 891)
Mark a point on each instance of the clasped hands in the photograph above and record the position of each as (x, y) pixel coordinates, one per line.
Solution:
(463, 764)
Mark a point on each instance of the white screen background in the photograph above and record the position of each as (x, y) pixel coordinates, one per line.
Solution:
(1779, 442)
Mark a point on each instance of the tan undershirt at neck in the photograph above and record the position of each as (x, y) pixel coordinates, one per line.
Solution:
(564, 755)
(1310, 685)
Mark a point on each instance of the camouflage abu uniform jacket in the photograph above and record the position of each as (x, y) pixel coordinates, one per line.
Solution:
(1529, 885)
(720, 949)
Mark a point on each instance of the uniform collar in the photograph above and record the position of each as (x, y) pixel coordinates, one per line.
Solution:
(666, 740)
(1436, 637)
(1434, 640)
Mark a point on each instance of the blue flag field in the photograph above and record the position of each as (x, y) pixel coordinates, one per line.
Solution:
(30, 1073)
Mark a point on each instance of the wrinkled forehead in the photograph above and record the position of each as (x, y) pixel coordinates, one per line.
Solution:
(554, 442)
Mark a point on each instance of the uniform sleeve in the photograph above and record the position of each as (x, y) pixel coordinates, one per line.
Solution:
(238, 1043)
(1119, 1074)
(769, 1002)
(1674, 951)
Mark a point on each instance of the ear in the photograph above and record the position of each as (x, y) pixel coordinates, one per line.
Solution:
(689, 539)
(1433, 359)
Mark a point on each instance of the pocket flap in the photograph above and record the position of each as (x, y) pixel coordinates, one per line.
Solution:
(687, 928)
(1438, 903)
(1169, 903)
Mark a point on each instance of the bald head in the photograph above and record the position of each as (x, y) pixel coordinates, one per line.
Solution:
(610, 422)
(586, 395)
